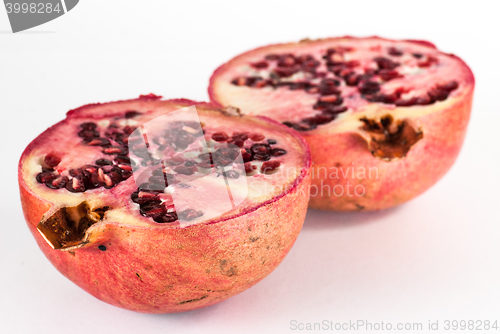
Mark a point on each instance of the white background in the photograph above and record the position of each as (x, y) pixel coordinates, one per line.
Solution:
(434, 258)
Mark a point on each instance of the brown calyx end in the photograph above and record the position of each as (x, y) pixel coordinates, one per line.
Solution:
(65, 229)
(390, 139)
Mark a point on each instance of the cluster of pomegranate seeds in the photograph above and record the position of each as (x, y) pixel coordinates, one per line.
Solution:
(104, 173)
(255, 152)
(329, 85)
(118, 141)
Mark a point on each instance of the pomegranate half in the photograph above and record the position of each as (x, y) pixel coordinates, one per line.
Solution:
(163, 217)
(385, 119)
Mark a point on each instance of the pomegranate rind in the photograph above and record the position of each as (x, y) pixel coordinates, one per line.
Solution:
(151, 269)
(333, 145)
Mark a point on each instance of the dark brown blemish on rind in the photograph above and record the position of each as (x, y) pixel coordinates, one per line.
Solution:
(192, 300)
(231, 271)
(67, 226)
(389, 139)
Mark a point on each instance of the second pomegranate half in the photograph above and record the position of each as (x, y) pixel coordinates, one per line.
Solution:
(385, 119)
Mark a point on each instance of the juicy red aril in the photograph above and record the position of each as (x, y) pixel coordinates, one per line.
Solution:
(121, 159)
(385, 63)
(131, 114)
(286, 60)
(168, 217)
(246, 155)
(438, 94)
(452, 85)
(241, 81)
(88, 134)
(88, 126)
(57, 183)
(352, 80)
(319, 119)
(137, 198)
(424, 100)
(45, 177)
(75, 185)
(52, 160)
(387, 75)
(103, 162)
(99, 142)
(369, 87)
(190, 214)
(300, 127)
(285, 72)
(239, 143)
(220, 136)
(113, 150)
(249, 167)
(262, 157)
(395, 52)
(260, 148)
(335, 109)
(260, 65)
(239, 136)
(257, 137)
(269, 166)
(277, 152)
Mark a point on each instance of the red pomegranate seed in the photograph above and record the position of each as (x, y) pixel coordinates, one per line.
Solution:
(239, 143)
(452, 85)
(241, 81)
(190, 214)
(277, 152)
(260, 84)
(145, 194)
(260, 65)
(257, 137)
(112, 150)
(249, 167)
(352, 63)
(125, 167)
(52, 160)
(438, 94)
(220, 136)
(395, 52)
(330, 98)
(269, 166)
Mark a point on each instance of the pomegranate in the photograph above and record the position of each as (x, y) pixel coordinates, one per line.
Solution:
(162, 217)
(385, 119)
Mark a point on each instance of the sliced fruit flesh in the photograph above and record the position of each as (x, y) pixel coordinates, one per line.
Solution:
(181, 174)
(332, 84)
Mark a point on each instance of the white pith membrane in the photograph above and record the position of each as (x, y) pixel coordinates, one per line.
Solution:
(208, 194)
(420, 70)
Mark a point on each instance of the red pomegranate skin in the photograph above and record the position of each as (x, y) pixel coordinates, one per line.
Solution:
(397, 181)
(168, 270)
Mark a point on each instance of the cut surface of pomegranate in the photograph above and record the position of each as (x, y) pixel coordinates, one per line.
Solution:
(385, 116)
(164, 216)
